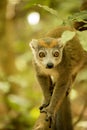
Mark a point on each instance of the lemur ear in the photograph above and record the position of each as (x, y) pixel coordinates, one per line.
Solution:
(60, 43)
(33, 43)
(66, 36)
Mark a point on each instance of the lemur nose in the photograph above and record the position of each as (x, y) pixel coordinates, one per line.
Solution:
(49, 65)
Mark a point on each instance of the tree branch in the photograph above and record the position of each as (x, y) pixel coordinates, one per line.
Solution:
(41, 123)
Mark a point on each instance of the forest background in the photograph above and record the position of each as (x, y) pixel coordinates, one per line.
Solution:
(20, 94)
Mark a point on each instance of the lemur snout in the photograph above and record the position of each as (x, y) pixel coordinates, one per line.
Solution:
(50, 65)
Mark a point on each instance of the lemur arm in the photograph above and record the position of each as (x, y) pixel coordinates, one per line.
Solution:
(59, 92)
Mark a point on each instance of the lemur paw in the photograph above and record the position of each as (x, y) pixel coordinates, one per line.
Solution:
(43, 106)
(49, 116)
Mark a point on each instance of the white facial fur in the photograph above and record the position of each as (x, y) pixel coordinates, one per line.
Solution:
(49, 58)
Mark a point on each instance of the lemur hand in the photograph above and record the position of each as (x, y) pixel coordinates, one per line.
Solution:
(49, 115)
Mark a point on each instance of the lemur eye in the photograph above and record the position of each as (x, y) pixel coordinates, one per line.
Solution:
(41, 54)
(56, 54)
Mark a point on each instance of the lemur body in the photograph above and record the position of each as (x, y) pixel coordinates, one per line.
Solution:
(57, 63)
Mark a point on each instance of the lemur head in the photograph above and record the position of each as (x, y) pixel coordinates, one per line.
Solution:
(47, 52)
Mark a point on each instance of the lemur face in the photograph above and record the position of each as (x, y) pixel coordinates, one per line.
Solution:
(47, 52)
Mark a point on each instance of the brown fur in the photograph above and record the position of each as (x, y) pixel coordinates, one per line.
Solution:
(73, 60)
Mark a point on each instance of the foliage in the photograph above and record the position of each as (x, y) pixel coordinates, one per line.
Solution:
(80, 17)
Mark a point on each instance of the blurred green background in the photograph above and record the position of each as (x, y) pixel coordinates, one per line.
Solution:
(20, 94)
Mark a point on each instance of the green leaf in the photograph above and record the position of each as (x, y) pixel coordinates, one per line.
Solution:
(67, 35)
(80, 16)
(85, 25)
(31, 3)
(50, 10)
(35, 2)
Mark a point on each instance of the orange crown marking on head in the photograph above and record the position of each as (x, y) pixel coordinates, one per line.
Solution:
(43, 43)
(51, 44)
